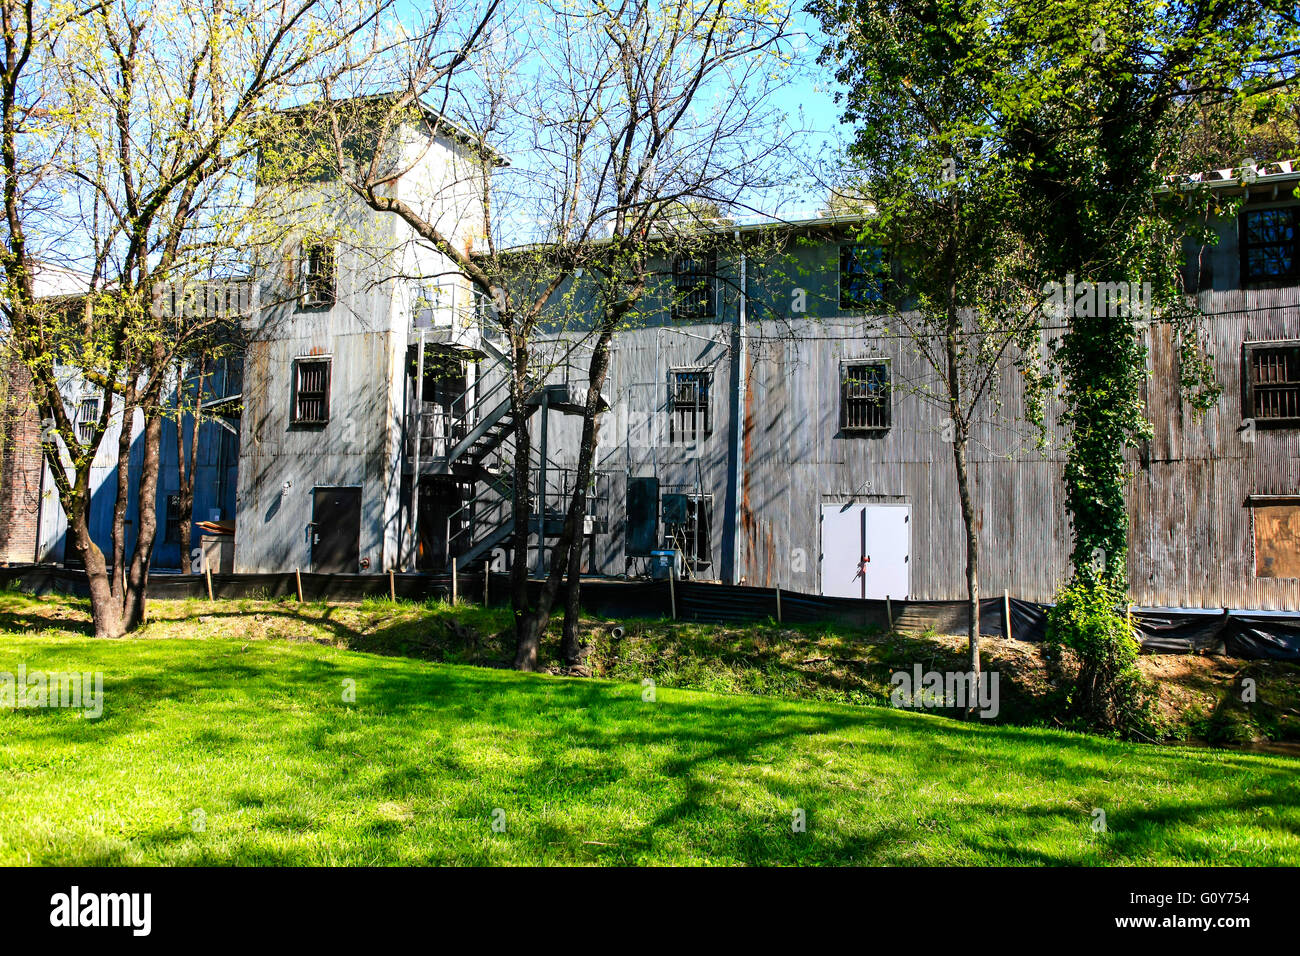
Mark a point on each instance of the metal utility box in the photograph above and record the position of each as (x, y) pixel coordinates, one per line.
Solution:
(664, 564)
(675, 508)
(642, 516)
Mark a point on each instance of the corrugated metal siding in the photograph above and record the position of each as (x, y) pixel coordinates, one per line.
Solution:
(1191, 539)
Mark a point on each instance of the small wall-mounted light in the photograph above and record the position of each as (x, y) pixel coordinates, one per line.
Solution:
(284, 488)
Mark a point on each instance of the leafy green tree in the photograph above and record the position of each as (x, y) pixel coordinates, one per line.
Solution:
(1081, 109)
(1101, 108)
(1107, 102)
(939, 198)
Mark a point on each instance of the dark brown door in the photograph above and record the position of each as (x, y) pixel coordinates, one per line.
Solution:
(336, 530)
(440, 501)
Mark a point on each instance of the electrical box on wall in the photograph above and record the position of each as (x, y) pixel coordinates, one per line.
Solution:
(642, 516)
(665, 564)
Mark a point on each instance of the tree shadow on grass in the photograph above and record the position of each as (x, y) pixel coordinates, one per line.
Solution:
(24, 621)
(591, 772)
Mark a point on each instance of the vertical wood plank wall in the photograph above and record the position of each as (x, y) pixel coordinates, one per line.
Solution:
(1191, 531)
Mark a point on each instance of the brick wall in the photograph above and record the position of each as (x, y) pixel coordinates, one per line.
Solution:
(20, 467)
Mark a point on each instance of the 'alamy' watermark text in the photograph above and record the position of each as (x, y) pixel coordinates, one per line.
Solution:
(42, 689)
(946, 689)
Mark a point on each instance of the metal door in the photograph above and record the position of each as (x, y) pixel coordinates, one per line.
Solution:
(866, 550)
(336, 530)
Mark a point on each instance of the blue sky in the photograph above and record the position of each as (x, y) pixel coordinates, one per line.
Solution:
(809, 100)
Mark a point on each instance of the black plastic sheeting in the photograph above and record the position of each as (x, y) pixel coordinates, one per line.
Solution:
(1273, 635)
(1252, 635)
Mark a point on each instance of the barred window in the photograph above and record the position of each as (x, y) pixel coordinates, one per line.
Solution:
(689, 404)
(87, 418)
(694, 286)
(311, 391)
(865, 396)
(316, 275)
(862, 271)
(1272, 380)
(1269, 244)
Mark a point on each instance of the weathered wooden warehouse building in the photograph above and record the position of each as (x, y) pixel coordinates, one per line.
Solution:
(761, 422)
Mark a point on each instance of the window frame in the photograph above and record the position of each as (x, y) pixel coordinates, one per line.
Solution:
(695, 289)
(172, 519)
(1249, 386)
(702, 405)
(1254, 505)
(313, 293)
(864, 305)
(295, 418)
(87, 423)
(1245, 245)
(846, 366)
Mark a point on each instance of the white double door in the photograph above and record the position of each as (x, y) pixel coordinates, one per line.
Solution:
(866, 550)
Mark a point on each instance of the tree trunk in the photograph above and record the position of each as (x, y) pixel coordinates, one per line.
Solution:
(118, 583)
(560, 554)
(137, 578)
(572, 595)
(965, 481)
(965, 487)
(105, 610)
(75, 499)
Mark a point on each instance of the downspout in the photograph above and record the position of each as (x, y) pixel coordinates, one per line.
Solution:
(661, 388)
(733, 542)
(541, 486)
(414, 509)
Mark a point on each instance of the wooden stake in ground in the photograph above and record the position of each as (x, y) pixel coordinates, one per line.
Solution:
(455, 591)
(207, 570)
(297, 577)
(392, 586)
(672, 590)
(1006, 613)
(778, 605)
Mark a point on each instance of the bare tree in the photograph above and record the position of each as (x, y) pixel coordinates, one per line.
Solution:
(130, 134)
(684, 136)
(617, 119)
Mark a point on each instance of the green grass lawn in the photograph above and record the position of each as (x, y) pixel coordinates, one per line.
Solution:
(254, 738)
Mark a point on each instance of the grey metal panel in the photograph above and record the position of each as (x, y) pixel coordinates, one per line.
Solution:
(1190, 533)
(1191, 537)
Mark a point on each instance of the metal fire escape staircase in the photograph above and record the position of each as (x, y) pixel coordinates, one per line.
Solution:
(478, 453)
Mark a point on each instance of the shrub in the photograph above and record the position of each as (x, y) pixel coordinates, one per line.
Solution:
(1096, 652)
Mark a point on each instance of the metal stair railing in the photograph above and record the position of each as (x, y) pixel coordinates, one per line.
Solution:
(480, 431)
(486, 519)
